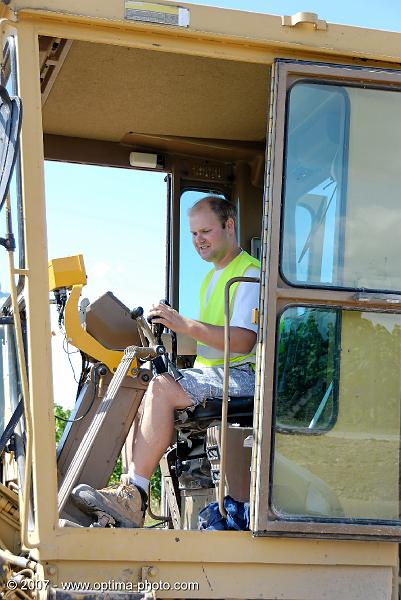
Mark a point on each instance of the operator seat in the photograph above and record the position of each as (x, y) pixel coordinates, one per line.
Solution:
(240, 411)
(195, 460)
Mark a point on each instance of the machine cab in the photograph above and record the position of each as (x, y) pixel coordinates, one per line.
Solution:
(127, 122)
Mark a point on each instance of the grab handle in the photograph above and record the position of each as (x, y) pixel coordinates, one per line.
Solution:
(224, 406)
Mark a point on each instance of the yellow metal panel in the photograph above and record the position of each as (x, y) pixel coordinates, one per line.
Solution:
(36, 293)
(138, 36)
(66, 272)
(227, 580)
(138, 545)
(229, 564)
(79, 338)
(236, 29)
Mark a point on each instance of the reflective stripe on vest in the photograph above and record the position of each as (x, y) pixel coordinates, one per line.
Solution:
(212, 311)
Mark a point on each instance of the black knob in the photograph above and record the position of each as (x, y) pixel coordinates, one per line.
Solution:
(101, 370)
(136, 312)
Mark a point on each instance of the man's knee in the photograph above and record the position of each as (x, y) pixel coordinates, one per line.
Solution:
(163, 388)
(160, 384)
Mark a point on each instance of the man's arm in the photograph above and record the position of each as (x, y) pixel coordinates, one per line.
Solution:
(241, 340)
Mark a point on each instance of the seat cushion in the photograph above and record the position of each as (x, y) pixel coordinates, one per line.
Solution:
(239, 406)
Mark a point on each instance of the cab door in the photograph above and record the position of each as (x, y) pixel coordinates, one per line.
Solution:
(327, 459)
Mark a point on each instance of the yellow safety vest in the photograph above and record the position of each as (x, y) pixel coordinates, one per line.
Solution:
(212, 311)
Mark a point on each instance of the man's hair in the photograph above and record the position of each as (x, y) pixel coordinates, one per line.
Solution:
(222, 208)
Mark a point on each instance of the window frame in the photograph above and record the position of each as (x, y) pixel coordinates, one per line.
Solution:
(277, 295)
(353, 521)
(342, 208)
(184, 177)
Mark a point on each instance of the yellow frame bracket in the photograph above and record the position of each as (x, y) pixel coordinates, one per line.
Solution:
(304, 17)
(81, 339)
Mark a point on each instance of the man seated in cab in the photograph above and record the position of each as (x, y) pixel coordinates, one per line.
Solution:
(212, 222)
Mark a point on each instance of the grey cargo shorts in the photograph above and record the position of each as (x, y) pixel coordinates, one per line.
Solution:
(207, 382)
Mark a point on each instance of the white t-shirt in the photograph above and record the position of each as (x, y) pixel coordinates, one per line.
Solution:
(246, 298)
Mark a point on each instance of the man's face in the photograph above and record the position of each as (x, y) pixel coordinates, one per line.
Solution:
(211, 240)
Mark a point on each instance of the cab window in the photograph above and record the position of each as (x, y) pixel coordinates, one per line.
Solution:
(192, 268)
(342, 182)
(307, 370)
(352, 470)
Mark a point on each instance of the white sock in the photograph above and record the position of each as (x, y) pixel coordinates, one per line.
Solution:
(138, 480)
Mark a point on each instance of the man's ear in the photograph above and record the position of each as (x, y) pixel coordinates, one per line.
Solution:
(230, 225)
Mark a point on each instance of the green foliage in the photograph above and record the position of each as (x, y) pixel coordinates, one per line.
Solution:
(64, 413)
(307, 355)
(155, 485)
(116, 474)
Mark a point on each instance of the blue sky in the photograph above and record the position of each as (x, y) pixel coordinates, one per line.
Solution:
(385, 14)
(116, 217)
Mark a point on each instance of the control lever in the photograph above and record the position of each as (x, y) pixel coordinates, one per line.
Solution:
(155, 340)
(160, 364)
(136, 312)
(137, 315)
(172, 369)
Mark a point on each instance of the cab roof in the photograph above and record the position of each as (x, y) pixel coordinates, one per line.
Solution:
(209, 80)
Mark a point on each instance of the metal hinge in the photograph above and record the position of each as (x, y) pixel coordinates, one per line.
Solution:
(304, 17)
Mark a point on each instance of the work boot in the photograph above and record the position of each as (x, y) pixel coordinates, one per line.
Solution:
(125, 502)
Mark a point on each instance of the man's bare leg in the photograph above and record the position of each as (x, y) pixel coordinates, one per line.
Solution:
(126, 504)
(154, 435)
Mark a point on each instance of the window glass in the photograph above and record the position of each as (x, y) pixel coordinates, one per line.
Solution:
(192, 268)
(342, 212)
(351, 470)
(307, 369)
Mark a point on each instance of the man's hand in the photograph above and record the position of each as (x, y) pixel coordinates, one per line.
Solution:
(242, 340)
(170, 318)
